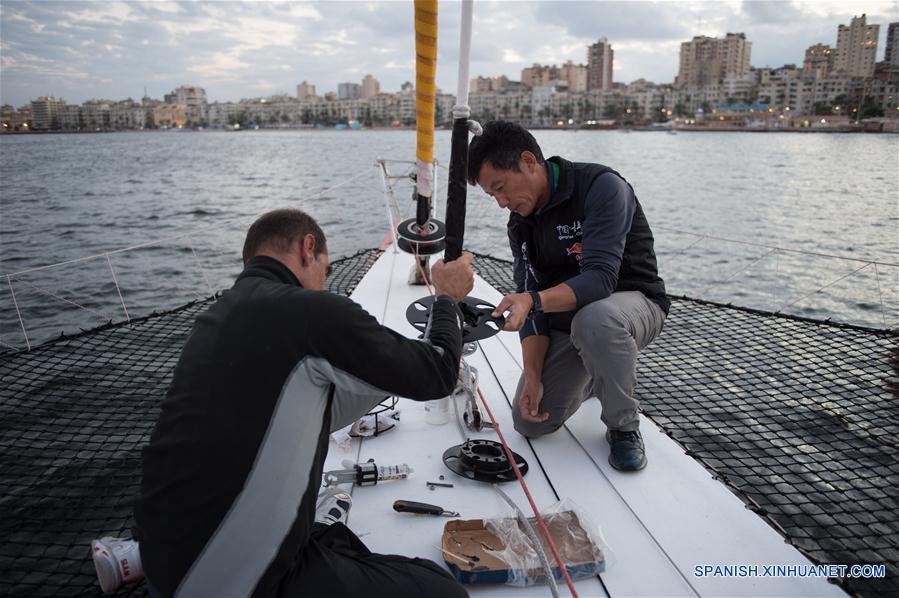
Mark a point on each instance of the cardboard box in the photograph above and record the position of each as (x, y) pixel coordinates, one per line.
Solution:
(476, 555)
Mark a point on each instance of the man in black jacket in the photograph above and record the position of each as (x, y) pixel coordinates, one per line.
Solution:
(232, 473)
(588, 294)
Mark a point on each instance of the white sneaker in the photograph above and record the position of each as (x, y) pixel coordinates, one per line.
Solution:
(333, 506)
(117, 562)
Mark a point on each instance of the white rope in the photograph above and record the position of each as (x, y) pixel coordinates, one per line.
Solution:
(5, 344)
(740, 271)
(785, 250)
(338, 185)
(118, 290)
(833, 282)
(200, 266)
(100, 315)
(680, 251)
(18, 313)
(388, 197)
(211, 227)
(883, 314)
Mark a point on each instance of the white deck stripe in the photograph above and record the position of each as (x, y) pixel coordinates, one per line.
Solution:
(692, 518)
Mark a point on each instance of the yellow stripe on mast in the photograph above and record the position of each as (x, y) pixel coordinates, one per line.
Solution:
(425, 89)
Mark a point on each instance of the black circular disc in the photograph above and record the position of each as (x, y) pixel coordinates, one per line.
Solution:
(433, 231)
(419, 248)
(484, 461)
(477, 324)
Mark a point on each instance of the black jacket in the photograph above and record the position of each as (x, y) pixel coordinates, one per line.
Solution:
(592, 235)
(234, 464)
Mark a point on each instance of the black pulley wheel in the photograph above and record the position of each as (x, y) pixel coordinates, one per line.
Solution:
(431, 232)
(419, 248)
(484, 461)
(477, 323)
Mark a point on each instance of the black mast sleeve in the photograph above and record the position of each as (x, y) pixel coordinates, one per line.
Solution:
(456, 190)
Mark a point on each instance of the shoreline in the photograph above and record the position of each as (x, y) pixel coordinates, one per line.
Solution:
(893, 129)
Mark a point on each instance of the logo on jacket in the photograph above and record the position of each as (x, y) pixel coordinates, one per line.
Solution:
(569, 231)
(576, 250)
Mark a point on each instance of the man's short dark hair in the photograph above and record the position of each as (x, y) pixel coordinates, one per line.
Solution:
(501, 145)
(279, 230)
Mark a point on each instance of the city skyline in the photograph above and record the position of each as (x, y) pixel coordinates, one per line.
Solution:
(79, 51)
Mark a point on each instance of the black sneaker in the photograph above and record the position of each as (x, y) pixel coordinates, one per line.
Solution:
(627, 453)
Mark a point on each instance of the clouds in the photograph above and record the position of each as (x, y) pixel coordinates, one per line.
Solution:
(112, 49)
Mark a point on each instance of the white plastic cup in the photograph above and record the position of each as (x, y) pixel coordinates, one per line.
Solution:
(437, 412)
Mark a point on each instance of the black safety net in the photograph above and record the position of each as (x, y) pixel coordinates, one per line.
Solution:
(794, 416)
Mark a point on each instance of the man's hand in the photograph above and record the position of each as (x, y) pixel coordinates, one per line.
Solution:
(529, 401)
(518, 306)
(455, 278)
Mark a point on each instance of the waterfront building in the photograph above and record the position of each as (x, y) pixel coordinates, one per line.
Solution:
(443, 111)
(95, 114)
(193, 99)
(480, 84)
(575, 75)
(223, 114)
(818, 61)
(856, 48)
(600, 61)
(891, 55)
(370, 87)
(69, 117)
(709, 60)
(44, 113)
(737, 90)
(383, 109)
(127, 114)
(405, 101)
(305, 90)
(14, 120)
(349, 91)
(169, 116)
(538, 75)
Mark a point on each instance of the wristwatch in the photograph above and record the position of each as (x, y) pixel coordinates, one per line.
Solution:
(538, 306)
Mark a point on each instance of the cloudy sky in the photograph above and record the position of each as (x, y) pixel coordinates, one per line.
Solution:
(83, 50)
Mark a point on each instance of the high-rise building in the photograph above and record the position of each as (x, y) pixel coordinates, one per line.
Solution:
(44, 113)
(349, 91)
(709, 60)
(599, 65)
(818, 61)
(370, 87)
(538, 75)
(575, 75)
(193, 99)
(891, 56)
(856, 48)
(305, 90)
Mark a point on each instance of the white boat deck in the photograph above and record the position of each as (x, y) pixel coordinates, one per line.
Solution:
(660, 523)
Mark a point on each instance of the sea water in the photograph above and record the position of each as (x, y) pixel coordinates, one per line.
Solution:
(744, 218)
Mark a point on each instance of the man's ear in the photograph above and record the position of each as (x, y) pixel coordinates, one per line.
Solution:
(307, 253)
(529, 160)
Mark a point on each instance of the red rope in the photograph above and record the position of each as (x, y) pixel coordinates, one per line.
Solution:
(511, 457)
(527, 493)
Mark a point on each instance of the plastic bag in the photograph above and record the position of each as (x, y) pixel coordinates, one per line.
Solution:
(580, 544)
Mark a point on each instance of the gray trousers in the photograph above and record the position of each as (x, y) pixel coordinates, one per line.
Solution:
(597, 359)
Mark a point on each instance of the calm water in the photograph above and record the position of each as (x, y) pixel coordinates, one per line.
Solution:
(69, 196)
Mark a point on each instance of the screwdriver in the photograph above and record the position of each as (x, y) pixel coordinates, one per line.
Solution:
(423, 508)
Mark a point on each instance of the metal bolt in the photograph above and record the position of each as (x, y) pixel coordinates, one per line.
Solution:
(433, 484)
